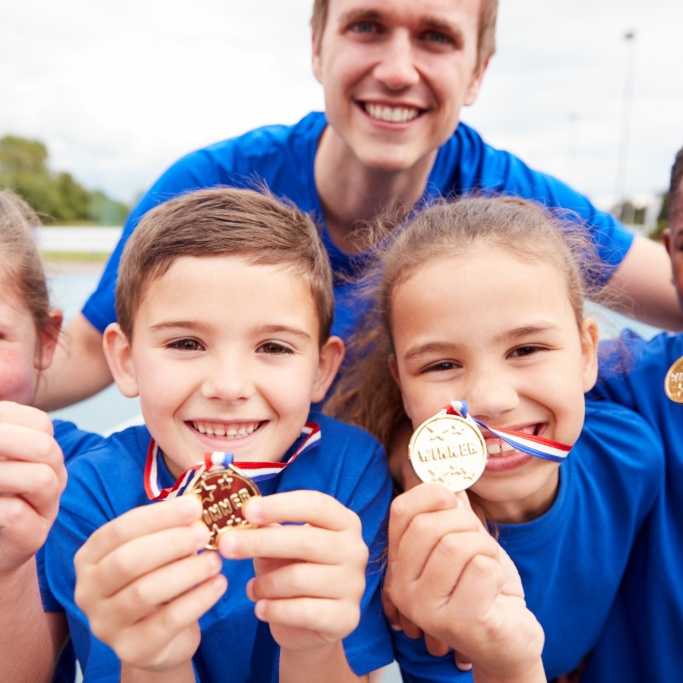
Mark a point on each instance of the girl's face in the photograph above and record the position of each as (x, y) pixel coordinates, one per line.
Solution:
(21, 353)
(500, 333)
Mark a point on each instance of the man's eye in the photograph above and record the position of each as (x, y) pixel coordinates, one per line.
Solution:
(363, 27)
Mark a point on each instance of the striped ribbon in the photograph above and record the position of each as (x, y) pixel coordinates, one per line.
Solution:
(526, 443)
(256, 471)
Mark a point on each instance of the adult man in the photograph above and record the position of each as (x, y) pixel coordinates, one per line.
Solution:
(396, 74)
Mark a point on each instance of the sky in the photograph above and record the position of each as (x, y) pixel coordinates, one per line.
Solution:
(118, 91)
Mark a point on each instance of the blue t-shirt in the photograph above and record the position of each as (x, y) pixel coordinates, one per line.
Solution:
(572, 558)
(106, 481)
(644, 635)
(283, 157)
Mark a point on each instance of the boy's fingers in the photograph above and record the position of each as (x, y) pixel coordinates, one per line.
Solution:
(139, 556)
(296, 542)
(36, 483)
(149, 592)
(138, 522)
(310, 507)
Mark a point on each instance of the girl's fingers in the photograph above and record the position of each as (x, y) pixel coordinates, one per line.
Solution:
(139, 522)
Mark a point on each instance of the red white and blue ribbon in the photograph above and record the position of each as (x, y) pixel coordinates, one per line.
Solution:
(520, 441)
(256, 471)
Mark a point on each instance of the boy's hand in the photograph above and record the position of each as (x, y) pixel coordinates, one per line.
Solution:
(32, 477)
(448, 575)
(310, 576)
(143, 585)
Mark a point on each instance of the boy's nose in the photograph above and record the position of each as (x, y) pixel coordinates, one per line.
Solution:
(396, 68)
(228, 380)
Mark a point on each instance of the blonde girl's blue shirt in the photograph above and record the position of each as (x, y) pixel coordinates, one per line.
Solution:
(572, 558)
(644, 636)
(283, 157)
(107, 481)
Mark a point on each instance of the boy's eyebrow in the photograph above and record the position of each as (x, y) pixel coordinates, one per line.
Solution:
(506, 336)
(195, 326)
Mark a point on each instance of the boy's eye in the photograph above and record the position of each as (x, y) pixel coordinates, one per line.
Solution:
(274, 348)
(186, 345)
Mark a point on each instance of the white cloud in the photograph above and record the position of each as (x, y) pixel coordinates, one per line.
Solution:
(120, 90)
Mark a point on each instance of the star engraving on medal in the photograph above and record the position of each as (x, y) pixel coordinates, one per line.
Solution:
(225, 482)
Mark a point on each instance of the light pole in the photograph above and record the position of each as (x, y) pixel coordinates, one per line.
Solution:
(622, 158)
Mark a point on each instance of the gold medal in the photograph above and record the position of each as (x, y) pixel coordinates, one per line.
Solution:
(673, 382)
(223, 494)
(448, 449)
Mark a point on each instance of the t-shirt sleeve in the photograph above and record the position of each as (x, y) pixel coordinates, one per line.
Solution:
(81, 513)
(483, 168)
(192, 172)
(369, 647)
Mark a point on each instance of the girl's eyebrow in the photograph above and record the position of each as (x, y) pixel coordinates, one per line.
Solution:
(431, 347)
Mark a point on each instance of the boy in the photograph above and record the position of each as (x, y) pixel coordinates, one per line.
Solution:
(396, 75)
(224, 301)
(642, 639)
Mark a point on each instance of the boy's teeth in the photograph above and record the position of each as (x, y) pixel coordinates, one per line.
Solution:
(391, 114)
(233, 430)
(496, 448)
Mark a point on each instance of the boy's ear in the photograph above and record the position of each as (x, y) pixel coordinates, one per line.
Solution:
(48, 340)
(331, 357)
(118, 352)
(589, 351)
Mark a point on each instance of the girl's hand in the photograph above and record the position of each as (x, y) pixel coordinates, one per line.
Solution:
(143, 585)
(32, 477)
(310, 575)
(448, 577)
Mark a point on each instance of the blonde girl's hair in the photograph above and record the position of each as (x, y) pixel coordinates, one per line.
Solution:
(21, 269)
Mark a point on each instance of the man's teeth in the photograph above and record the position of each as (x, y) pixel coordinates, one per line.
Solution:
(229, 430)
(498, 447)
(391, 114)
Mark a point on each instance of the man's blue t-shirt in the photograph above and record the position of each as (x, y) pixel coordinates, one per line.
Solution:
(283, 157)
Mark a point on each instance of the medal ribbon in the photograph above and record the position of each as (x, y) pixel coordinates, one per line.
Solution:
(256, 471)
(526, 443)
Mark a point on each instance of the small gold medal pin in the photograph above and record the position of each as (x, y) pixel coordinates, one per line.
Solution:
(673, 382)
(223, 494)
(448, 449)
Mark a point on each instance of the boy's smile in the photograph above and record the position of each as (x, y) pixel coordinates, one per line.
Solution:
(507, 344)
(225, 356)
(396, 75)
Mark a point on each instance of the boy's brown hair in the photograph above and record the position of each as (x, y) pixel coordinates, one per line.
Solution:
(224, 221)
(486, 44)
(676, 187)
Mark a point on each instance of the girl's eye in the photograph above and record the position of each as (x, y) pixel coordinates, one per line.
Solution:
(186, 345)
(275, 348)
(528, 350)
(441, 366)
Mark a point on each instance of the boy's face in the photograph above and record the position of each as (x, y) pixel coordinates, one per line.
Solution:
(225, 357)
(673, 241)
(396, 74)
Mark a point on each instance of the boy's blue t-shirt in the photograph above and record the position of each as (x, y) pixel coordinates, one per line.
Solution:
(572, 558)
(107, 480)
(283, 158)
(643, 637)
